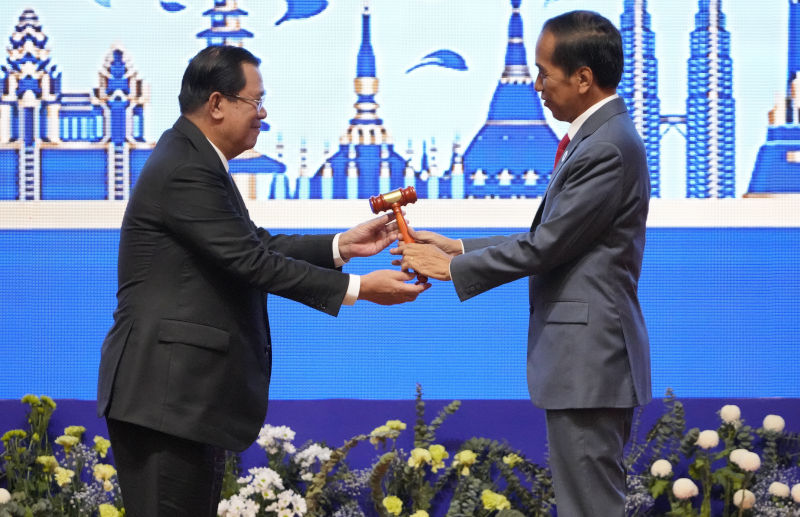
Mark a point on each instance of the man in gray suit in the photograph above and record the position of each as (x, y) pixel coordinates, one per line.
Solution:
(185, 368)
(588, 350)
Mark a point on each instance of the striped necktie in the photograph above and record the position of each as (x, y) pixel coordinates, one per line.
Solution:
(562, 145)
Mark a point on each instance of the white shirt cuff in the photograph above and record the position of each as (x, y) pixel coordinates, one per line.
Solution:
(353, 288)
(338, 261)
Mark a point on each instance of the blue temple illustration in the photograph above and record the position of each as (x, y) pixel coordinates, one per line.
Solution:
(90, 145)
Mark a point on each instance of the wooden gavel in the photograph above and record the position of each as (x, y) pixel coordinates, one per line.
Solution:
(394, 200)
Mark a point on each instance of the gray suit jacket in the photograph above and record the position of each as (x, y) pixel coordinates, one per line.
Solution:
(587, 341)
(189, 352)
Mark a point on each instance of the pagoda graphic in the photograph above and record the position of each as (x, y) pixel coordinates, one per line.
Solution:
(512, 154)
(777, 167)
(366, 163)
(710, 107)
(639, 84)
(56, 145)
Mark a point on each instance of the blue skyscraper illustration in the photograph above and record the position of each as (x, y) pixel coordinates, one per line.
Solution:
(59, 145)
(777, 168)
(366, 163)
(512, 154)
(639, 85)
(710, 108)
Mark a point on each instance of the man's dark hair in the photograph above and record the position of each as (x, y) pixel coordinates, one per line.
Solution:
(585, 38)
(213, 69)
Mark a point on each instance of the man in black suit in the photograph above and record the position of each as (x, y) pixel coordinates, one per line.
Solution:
(185, 368)
(588, 350)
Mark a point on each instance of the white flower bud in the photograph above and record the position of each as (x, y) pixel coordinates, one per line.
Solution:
(796, 493)
(708, 439)
(744, 499)
(746, 460)
(730, 414)
(773, 423)
(779, 489)
(684, 488)
(661, 468)
(5, 496)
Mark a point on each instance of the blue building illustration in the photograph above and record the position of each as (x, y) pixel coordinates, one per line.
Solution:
(777, 167)
(226, 28)
(639, 85)
(366, 163)
(512, 154)
(59, 145)
(710, 107)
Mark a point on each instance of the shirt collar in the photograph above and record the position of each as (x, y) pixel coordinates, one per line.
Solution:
(578, 122)
(221, 156)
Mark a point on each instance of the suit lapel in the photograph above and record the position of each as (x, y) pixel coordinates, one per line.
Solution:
(592, 124)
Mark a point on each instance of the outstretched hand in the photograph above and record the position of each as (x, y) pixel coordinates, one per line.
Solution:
(450, 246)
(369, 237)
(425, 259)
(389, 287)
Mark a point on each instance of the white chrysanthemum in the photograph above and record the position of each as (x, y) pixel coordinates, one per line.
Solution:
(778, 489)
(310, 454)
(661, 468)
(730, 414)
(237, 506)
(746, 460)
(5, 496)
(744, 499)
(774, 423)
(796, 493)
(708, 439)
(684, 488)
(288, 504)
(266, 482)
(275, 438)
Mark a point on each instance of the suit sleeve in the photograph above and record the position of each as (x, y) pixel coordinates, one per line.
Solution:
(199, 211)
(315, 249)
(579, 210)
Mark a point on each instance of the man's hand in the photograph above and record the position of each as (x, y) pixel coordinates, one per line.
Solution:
(368, 238)
(425, 259)
(450, 246)
(389, 287)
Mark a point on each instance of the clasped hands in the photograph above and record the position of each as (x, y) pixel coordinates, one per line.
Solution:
(430, 255)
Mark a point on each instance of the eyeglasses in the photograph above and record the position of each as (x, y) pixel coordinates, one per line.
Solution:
(259, 103)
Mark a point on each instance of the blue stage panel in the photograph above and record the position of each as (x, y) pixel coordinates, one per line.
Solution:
(720, 305)
(74, 174)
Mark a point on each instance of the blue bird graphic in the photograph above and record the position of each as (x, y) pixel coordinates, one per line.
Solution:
(444, 58)
(104, 3)
(297, 9)
(172, 6)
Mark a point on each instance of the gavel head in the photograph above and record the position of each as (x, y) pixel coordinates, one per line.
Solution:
(399, 197)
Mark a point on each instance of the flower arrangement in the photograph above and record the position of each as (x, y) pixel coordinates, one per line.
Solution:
(734, 470)
(62, 478)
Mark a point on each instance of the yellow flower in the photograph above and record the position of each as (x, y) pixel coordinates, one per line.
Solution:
(75, 430)
(47, 401)
(381, 433)
(49, 463)
(438, 455)
(107, 510)
(419, 513)
(419, 457)
(108, 486)
(31, 400)
(63, 476)
(393, 505)
(512, 459)
(465, 458)
(395, 425)
(14, 433)
(103, 472)
(67, 442)
(101, 445)
(494, 501)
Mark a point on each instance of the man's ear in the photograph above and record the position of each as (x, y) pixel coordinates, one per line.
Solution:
(214, 106)
(585, 78)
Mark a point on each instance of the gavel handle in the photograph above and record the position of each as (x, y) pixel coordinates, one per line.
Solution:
(403, 227)
(401, 224)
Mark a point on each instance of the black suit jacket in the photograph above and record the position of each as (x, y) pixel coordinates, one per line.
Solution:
(189, 351)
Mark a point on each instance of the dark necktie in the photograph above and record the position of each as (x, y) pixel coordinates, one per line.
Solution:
(562, 145)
